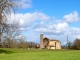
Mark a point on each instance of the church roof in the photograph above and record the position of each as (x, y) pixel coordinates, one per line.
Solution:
(52, 39)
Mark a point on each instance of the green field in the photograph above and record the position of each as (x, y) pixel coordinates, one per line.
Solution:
(36, 54)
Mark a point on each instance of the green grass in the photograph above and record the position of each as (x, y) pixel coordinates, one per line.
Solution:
(36, 54)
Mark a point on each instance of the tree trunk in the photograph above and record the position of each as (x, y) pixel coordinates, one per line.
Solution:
(0, 26)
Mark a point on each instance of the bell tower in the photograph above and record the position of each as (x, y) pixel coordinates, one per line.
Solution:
(41, 40)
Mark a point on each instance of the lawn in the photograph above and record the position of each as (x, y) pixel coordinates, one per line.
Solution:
(37, 54)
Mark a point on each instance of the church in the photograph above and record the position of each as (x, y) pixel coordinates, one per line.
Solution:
(46, 43)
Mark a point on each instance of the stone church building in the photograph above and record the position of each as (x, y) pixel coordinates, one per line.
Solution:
(46, 43)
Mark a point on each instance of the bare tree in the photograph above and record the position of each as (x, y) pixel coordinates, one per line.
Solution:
(12, 31)
(32, 44)
(22, 43)
(6, 8)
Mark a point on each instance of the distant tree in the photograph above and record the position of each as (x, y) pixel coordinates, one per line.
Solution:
(22, 43)
(69, 45)
(32, 44)
(76, 44)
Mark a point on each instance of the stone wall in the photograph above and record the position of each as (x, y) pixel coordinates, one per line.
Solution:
(58, 45)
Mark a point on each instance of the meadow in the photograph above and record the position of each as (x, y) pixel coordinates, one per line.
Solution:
(37, 54)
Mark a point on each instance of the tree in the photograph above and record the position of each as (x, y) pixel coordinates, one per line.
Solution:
(76, 44)
(6, 8)
(69, 45)
(32, 44)
(22, 42)
(12, 31)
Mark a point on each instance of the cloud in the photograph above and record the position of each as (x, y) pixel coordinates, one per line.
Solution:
(74, 31)
(72, 17)
(54, 29)
(25, 3)
(28, 18)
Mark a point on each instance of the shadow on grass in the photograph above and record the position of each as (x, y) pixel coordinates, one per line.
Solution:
(5, 51)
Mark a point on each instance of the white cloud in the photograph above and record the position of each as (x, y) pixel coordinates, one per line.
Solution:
(65, 43)
(25, 3)
(23, 29)
(75, 31)
(54, 29)
(72, 17)
(28, 18)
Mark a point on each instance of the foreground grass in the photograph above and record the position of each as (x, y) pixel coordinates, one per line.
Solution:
(36, 54)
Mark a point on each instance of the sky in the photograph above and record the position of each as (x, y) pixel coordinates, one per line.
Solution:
(54, 18)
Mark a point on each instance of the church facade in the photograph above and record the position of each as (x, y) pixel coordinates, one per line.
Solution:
(46, 43)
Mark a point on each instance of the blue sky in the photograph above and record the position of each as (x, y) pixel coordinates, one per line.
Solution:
(54, 18)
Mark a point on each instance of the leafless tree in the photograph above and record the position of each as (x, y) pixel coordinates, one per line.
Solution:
(12, 32)
(6, 8)
(22, 43)
(32, 44)
(9, 32)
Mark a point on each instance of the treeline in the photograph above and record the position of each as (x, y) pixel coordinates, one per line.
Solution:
(75, 45)
(18, 44)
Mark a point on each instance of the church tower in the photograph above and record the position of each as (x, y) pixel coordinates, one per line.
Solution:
(41, 40)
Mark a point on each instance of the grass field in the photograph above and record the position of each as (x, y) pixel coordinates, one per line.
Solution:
(36, 54)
